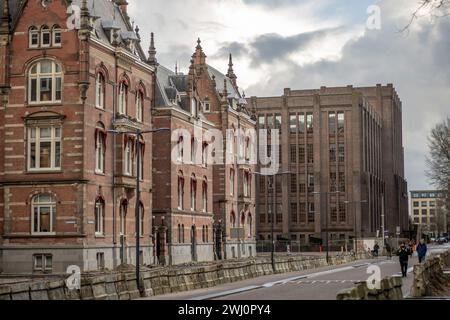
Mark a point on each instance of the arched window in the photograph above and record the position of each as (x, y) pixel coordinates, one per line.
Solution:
(179, 233)
(56, 36)
(193, 151)
(33, 37)
(140, 106)
(123, 97)
(193, 193)
(100, 91)
(243, 219)
(123, 217)
(100, 217)
(182, 234)
(45, 82)
(43, 208)
(203, 234)
(205, 194)
(180, 150)
(141, 219)
(180, 191)
(100, 148)
(231, 182)
(250, 224)
(207, 234)
(46, 39)
(205, 155)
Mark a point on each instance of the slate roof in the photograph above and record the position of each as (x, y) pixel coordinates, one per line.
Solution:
(110, 16)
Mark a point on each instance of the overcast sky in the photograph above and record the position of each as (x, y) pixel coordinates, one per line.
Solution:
(304, 44)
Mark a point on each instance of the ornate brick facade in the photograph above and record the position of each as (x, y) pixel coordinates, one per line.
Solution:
(67, 183)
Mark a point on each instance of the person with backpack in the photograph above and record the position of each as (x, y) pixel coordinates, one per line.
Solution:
(422, 250)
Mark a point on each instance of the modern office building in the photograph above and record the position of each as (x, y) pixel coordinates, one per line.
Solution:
(341, 158)
(429, 212)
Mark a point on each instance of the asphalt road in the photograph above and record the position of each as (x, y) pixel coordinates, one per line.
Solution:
(318, 284)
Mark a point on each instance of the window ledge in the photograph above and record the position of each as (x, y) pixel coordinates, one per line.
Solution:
(45, 171)
(100, 236)
(44, 104)
(100, 108)
(99, 173)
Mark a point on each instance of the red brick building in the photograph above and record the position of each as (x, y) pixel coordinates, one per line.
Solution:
(183, 180)
(234, 182)
(67, 185)
(202, 100)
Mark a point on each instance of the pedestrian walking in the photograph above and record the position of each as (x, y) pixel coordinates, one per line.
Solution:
(422, 250)
(388, 251)
(403, 254)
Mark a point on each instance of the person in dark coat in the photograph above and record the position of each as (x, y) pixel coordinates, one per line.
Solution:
(422, 250)
(388, 251)
(376, 248)
(404, 253)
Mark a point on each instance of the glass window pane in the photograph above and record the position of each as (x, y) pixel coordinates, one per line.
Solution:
(44, 219)
(44, 156)
(45, 133)
(33, 94)
(48, 262)
(57, 154)
(58, 132)
(46, 66)
(36, 220)
(38, 262)
(46, 89)
(33, 156)
(58, 89)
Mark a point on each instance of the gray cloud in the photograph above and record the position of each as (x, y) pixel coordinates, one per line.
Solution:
(270, 47)
(416, 63)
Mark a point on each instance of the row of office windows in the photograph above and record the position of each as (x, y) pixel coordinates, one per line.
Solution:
(181, 238)
(193, 191)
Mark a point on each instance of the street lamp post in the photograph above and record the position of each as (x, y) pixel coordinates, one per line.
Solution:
(138, 133)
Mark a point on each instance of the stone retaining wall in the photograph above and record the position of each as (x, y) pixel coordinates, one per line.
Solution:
(123, 286)
(390, 289)
(429, 278)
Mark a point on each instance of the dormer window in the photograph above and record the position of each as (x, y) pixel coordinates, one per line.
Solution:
(56, 36)
(206, 107)
(45, 37)
(34, 37)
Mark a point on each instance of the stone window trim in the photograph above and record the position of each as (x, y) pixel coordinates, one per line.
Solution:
(44, 37)
(54, 78)
(101, 136)
(100, 206)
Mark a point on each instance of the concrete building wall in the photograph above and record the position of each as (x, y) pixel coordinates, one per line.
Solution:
(356, 201)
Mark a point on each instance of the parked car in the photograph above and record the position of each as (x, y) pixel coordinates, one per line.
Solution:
(442, 240)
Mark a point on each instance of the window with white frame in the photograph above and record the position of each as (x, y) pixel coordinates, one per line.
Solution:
(193, 193)
(180, 150)
(139, 106)
(43, 208)
(100, 150)
(33, 37)
(123, 217)
(100, 91)
(45, 82)
(205, 195)
(231, 182)
(100, 217)
(180, 192)
(128, 158)
(44, 148)
(123, 98)
(194, 151)
(43, 262)
(56, 36)
(46, 38)
(206, 107)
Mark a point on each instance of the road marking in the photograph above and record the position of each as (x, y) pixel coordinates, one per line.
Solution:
(226, 293)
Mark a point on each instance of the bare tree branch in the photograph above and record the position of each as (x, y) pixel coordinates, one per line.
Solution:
(434, 8)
